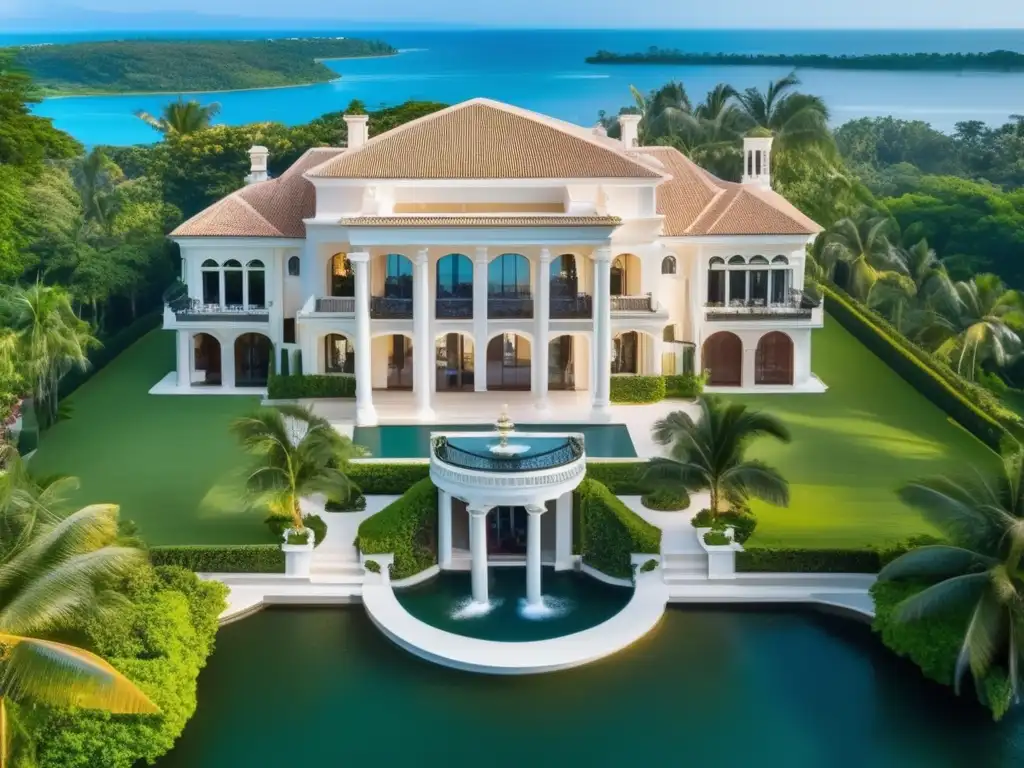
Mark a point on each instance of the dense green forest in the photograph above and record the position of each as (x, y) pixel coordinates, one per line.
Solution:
(180, 66)
(993, 61)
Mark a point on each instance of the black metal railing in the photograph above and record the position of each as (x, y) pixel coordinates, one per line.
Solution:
(504, 306)
(336, 304)
(390, 308)
(570, 451)
(632, 303)
(797, 305)
(186, 308)
(454, 308)
(568, 307)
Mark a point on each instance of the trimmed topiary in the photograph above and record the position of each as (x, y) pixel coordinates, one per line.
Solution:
(716, 538)
(666, 500)
(637, 389)
(611, 531)
(407, 528)
(238, 558)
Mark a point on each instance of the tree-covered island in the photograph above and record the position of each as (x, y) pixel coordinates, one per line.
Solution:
(993, 61)
(177, 66)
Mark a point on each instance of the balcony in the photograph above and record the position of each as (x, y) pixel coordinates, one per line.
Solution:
(186, 309)
(390, 308)
(796, 306)
(454, 308)
(578, 307)
(632, 303)
(509, 306)
(336, 304)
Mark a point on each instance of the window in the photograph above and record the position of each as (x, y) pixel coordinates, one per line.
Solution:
(293, 266)
(455, 277)
(668, 265)
(509, 275)
(624, 353)
(257, 284)
(398, 279)
(716, 287)
(211, 282)
(342, 280)
(564, 280)
(233, 293)
(339, 357)
(780, 278)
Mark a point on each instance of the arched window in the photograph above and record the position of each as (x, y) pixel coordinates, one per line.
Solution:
(257, 284)
(668, 265)
(773, 360)
(234, 292)
(717, 262)
(737, 290)
(211, 282)
(618, 277)
(294, 265)
(342, 280)
(780, 260)
(454, 286)
(398, 277)
(737, 260)
(339, 357)
(758, 260)
(508, 276)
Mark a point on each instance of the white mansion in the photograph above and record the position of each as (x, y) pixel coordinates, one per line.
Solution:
(439, 255)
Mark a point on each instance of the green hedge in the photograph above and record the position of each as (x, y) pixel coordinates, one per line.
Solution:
(378, 477)
(299, 386)
(687, 385)
(113, 346)
(611, 531)
(666, 500)
(407, 527)
(637, 389)
(792, 560)
(241, 558)
(623, 478)
(964, 403)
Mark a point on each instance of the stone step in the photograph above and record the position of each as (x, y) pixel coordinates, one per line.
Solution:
(684, 561)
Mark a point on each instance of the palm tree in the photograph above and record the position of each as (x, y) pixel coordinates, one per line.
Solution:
(52, 576)
(51, 339)
(983, 520)
(798, 121)
(861, 242)
(180, 117)
(665, 112)
(298, 454)
(709, 453)
(94, 176)
(983, 322)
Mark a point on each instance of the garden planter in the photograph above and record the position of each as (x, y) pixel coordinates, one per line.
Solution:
(721, 559)
(298, 558)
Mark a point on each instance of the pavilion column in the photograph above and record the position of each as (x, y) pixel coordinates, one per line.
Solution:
(563, 532)
(533, 590)
(444, 530)
(422, 355)
(184, 359)
(366, 415)
(602, 331)
(480, 264)
(478, 552)
(541, 311)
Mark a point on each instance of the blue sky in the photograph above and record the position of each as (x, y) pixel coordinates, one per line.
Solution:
(862, 14)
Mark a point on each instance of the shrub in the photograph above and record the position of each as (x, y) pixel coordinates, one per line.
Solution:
(279, 523)
(742, 522)
(623, 478)
(243, 558)
(649, 566)
(783, 560)
(611, 531)
(316, 524)
(374, 477)
(372, 566)
(637, 389)
(298, 362)
(666, 499)
(688, 385)
(703, 519)
(356, 502)
(285, 367)
(407, 527)
(716, 538)
(161, 640)
(298, 538)
(299, 386)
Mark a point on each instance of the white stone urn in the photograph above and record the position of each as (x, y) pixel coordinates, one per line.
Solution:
(298, 558)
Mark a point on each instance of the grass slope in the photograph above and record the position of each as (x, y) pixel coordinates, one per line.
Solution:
(852, 448)
(168, 461)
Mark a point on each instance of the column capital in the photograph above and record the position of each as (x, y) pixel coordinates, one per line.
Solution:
(604, 253)
(421, 256)
(478, 510)
(359, 257)
(481, 254)
(536, 509)
(545, 255)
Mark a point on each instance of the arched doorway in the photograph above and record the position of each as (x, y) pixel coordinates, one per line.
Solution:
(626, 353)
(399, 362)
(339, 356)
(625, 275)
(773, 363)
(341, 278)
(561, 363)
(206, 360)
(722, 356)
(508, 362)
(252, 360)
(454, 363)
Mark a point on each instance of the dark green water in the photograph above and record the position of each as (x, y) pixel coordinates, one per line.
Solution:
(709, 688)
(412, 441)
(579, 602)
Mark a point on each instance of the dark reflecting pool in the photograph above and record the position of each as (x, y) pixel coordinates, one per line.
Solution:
(709, 688)
(575, 602)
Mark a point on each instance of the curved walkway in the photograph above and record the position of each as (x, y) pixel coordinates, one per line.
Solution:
(641, 614)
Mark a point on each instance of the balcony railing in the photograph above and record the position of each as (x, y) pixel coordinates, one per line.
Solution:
(390, 308)
(796, 306)
(501, 306)
(568, 452)
(343, 304)
(186, 309)
(632, 303)
(570, 307)
(454, 308)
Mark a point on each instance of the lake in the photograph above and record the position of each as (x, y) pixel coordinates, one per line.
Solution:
(544, 70)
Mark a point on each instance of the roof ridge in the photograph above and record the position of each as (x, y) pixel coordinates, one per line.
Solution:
(710, 207)
(245, 203)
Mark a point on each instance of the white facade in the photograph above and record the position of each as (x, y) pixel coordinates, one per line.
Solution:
(479, 273)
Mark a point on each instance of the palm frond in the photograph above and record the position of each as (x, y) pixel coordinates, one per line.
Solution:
(938, 561)
(952, 592)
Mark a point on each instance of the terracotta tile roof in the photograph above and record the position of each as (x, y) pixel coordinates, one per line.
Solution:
(272, 208)
(695, 203)
(482, 221)
(483, 139)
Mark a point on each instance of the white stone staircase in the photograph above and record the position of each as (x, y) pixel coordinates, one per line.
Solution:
(684, 566)
(683, 559)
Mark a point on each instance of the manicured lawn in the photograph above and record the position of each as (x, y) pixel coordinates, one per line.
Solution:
(168, 461)
(852, 448)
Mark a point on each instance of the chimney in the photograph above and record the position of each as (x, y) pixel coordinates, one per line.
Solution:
(629, 128)
(358, 131)
(757, 158)
(257, 164)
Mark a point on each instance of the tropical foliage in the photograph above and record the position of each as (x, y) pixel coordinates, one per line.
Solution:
(180, 118)
(709, 452)
(978, 570)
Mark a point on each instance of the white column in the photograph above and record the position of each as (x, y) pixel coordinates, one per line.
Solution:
(541, 311)
(480, 264)
(423, 349)
(184, 359)
(365, 413)
(533, 590)
(655, 345)
(478, 552)
(602, 331)
(444, 529)
(220, 278)
(245, 287)
(748, 369)
(563, 532)
(227, 362)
